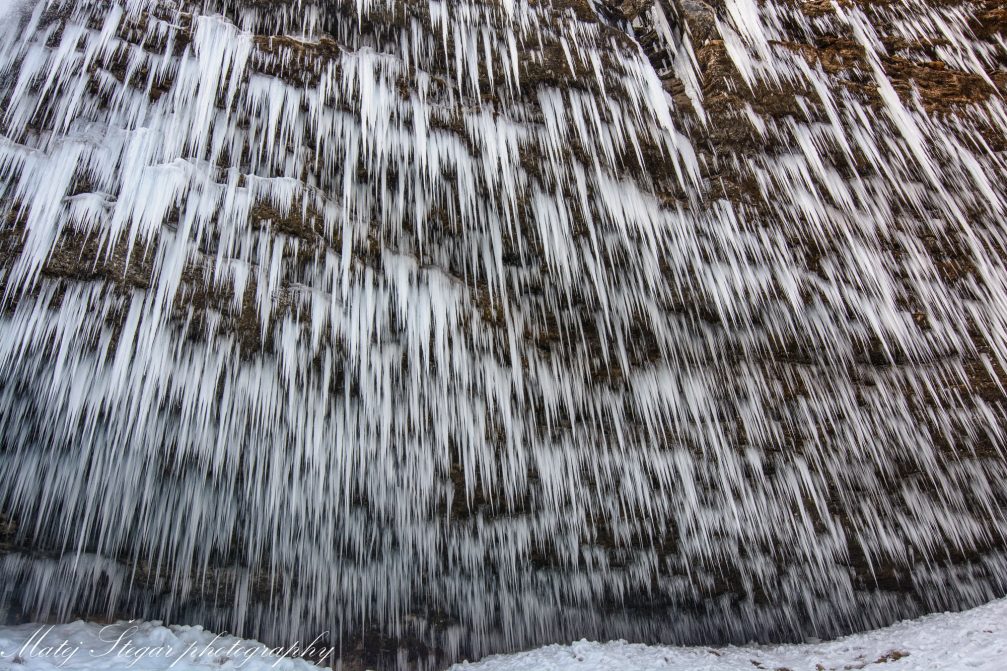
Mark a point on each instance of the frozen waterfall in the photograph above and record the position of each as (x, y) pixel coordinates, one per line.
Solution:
(461, 326)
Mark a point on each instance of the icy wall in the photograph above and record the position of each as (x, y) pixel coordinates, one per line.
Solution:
(455, 327)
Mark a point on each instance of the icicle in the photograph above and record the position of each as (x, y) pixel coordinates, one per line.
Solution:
(447, 320)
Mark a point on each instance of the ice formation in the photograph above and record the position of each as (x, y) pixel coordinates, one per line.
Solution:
(445, 322)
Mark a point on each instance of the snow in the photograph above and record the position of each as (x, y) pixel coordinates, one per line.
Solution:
(974, 640)
(144, 645)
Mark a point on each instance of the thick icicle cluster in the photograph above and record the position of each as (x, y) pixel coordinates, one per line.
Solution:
(444, 322)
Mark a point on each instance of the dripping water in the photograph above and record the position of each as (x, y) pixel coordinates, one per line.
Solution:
(448, 321)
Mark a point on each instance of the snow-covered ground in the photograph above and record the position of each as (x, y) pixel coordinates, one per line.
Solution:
(975, 640)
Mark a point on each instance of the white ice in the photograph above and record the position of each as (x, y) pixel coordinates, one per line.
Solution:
(487, 288)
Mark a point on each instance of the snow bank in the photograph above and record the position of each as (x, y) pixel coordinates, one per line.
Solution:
(974, 640)
(143, 646)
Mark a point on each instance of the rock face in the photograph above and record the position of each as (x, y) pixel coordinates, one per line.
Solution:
(461, 327)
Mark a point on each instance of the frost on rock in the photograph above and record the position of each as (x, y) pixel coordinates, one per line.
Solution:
(472, 326)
